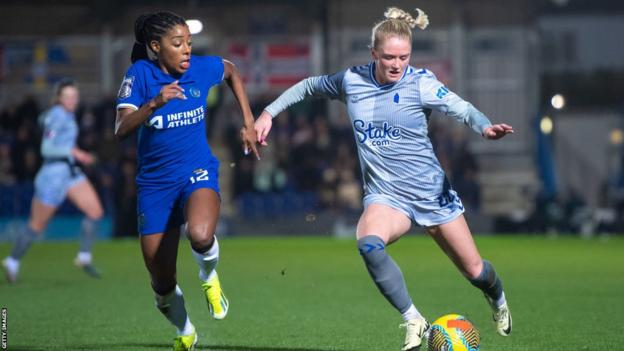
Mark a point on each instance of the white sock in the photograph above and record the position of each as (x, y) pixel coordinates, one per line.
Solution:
(84, 257)
(172, 307)
(189, 328)
(207, 261)
(501, 301)
(411, 313)
(11, 264)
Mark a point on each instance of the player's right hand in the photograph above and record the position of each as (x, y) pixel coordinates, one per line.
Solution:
(169, 92)
(248, 137)
(263, 126)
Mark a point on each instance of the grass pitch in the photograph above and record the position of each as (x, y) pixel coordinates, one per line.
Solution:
(314, 294)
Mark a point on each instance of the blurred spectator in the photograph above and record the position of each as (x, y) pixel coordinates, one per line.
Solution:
(308, 154)
(7, 174)
(464, 170)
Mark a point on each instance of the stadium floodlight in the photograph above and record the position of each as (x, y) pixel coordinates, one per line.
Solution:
(558, 101)
(195, 26)
(546, 125)
(616, 136)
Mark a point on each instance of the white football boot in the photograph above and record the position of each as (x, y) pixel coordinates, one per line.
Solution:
(416, 333)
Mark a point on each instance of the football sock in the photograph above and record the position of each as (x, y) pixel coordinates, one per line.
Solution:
(84, 257)
(172, 306)
(23, 243)
(490, 284)
(411, 313)
(385, 272)
(207, 260)
(87, 234)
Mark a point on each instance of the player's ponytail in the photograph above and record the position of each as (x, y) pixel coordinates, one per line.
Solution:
(152, 26)
(398, 23)
(139, 50)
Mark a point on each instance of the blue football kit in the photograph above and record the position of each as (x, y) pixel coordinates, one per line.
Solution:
(174, 158)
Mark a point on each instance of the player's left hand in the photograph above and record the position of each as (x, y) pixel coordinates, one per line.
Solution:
(248, 137)
(83, 157)
(497, 131)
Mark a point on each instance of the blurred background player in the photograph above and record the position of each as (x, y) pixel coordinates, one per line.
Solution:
(163, 95)
(60, 178)
(388, 103)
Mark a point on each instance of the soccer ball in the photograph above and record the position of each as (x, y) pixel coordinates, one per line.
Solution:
(453, 332)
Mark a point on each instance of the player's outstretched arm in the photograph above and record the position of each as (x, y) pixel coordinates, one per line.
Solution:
(497, 131)
(263, 127)
(127, 119)
(234, 81)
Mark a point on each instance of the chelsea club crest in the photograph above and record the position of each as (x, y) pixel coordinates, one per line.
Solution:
(194, 92)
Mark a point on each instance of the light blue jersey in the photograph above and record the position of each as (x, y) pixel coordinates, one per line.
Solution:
(391, 132)
(59, 171)
(60, 132)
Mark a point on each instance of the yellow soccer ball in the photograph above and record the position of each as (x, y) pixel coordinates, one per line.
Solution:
(453, 332)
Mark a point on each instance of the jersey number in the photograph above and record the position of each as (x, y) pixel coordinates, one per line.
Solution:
(201, 176)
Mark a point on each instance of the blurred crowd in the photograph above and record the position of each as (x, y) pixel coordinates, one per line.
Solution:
(311, 162)
(20, 159)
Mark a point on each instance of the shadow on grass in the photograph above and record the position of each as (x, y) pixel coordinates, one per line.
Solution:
(163, 346)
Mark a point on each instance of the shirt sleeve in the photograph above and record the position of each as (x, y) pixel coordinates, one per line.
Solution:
(132, 90)
(327, 86)
(214, 70)
(434, 95)
(53, 144)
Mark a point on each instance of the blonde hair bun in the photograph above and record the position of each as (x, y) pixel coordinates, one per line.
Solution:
(421, 21)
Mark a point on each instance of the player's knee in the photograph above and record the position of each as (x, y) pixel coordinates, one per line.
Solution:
(200, 235)
(37, 226)
(372, 249)
(473, 269)
(164, 286)
(96, 214)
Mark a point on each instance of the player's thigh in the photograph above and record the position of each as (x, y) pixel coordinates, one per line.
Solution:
(40, 214)
(85, 198)
(384, 221)
(51, 185)
(160, 252)
(202, 214)
(455, 239)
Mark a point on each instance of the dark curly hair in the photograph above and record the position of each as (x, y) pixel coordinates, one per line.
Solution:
(152, 26)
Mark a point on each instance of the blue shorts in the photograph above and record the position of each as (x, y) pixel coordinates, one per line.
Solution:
(423, 212)
(161, 207)
(54, 180)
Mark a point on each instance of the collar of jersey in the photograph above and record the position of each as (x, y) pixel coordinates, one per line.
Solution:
(162, 78)
(371, 71)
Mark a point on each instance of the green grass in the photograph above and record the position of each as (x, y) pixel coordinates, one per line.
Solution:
(306, 294)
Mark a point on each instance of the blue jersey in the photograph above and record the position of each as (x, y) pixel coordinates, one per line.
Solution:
(172, 142)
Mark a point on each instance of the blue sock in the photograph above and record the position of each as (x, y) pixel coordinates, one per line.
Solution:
(489, 282)
(385, 272)
(88, 233)
(23, 243)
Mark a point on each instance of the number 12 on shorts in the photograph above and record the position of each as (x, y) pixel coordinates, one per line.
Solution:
(200, 175)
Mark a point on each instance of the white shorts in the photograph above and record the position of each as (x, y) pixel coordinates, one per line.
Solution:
(423, 212)
(54, 180)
